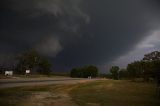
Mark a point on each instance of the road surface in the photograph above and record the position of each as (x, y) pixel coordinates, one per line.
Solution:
(6, 83)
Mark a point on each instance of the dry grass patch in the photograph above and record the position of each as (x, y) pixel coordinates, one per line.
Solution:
(49, 99)
(51, 95)
(95, 93)
(115, 93)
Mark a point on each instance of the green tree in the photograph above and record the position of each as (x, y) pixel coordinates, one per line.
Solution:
(27, 60)
(148, 67)
(90, 70)
(115, 72)
(123, 74)
(31, 60)
(77, 72)
(135, 69)
(73, 73)
(85, 71)
(44, 67)
(152, 65)
(153, 56)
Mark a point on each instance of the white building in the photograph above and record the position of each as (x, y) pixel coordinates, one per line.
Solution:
(28, 71)
(8, 73)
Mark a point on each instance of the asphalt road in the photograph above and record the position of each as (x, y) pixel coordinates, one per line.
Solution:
(6, 83)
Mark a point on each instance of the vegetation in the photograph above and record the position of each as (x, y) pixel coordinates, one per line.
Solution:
(147, 68)
(153, 56)
(26, 96)
(95, 93)
(28, 60)
(115, 72)
(123, 74)
(115, 93)
(31, 60)
(84, 72)
(135, 70)
(44, 67)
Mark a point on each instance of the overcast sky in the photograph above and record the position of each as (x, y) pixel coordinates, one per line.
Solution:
(73, 33)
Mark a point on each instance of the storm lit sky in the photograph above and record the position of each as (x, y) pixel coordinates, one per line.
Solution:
(72, 33)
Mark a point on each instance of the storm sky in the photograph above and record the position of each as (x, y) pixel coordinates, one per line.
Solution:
(73, 33)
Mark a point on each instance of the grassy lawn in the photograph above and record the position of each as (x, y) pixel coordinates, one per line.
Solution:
(97, 93)
(115, 93)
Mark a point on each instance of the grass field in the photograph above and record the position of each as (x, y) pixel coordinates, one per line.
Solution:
(115, 93)
(97, 93)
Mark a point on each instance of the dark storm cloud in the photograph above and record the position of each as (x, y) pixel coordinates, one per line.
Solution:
(115, 27)
(34, 23)
(76, 32)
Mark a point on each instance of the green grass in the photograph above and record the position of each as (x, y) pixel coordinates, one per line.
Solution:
(115, 93)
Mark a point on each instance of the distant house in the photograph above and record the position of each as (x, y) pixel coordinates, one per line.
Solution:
(28, 71)
(8, 73)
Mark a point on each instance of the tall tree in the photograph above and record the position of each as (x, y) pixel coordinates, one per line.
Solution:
(31, 60)
(44, 67)
(123, 74)
(135, 69)
(115, 72)
(90, 70)
(27, 60)
(152, 61)
(153, 56)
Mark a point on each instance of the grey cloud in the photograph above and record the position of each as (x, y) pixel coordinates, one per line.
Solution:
(49, 47)
(55, 7)
(31, 21)
(116, 27)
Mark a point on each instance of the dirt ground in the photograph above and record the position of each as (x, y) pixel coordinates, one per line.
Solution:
(42, 95)
(57, 97)
(49, 99)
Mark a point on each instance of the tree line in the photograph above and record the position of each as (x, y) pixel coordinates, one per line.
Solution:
(86, 71)
(147, 68)
(29, 60)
